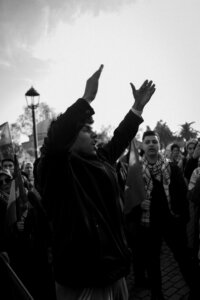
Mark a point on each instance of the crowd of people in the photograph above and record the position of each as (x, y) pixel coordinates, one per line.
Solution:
(63, 226)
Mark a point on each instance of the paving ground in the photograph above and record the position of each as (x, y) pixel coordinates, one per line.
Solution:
(174, 287)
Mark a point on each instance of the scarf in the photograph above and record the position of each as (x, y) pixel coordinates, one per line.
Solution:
(195, 175)
(161, 172)
(4, 197)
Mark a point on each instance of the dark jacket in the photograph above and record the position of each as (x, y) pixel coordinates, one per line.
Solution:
(191, 164)
(81, 195)
(178, 198)
(178, 194)
(3, 210)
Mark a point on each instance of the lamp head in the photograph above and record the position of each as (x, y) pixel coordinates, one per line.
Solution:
(32, 98)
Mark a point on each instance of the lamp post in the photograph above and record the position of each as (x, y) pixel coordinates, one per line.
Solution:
(32, 99)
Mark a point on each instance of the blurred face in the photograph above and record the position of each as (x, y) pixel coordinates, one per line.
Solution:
(8, 165)
(151, 146)
(29, 169)
(5, 183)
(85, 142)
(190, 149)
(175, 153)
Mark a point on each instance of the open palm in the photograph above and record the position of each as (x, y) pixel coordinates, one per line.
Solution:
(143, 94)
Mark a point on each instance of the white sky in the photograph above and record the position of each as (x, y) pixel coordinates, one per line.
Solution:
(56, 45)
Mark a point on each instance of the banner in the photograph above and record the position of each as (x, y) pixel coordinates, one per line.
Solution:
(134, 190)
(6, 147)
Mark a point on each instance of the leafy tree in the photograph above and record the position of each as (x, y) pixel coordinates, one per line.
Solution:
(187, 132)
(15, 133)
(165, 134)
(104, 134)
(24, 123)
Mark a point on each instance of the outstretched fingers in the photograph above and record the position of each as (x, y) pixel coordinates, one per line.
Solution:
(97, 74)
(143, 94)
(144, 85)
(148, 86)
(151, 88)
(132, 87)
(92, 85)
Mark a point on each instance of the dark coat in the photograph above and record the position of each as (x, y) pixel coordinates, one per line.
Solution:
(178, 193)
(178, 198)
(190, 165)
(81, 195)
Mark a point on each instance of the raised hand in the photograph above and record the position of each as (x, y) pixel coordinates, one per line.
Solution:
(143, 94)
(91, 87)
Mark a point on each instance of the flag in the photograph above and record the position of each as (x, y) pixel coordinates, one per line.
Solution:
(21, 199)
(6, 147)
(134, 190)
(11, 215)
(17, 201)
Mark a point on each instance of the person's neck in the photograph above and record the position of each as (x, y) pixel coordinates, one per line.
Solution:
(152, 159)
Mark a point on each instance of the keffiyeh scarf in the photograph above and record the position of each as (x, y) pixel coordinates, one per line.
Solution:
(161, 172)
(195, 175)
(4, 197)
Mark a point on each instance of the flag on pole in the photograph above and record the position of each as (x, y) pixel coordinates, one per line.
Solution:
(134, 190)
(11, 215)
(21, 199)
(6, 147)
(17, 201)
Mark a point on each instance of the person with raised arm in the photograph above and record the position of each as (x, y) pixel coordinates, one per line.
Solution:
(80, 191)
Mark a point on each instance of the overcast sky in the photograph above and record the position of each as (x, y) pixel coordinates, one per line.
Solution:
(56, 45)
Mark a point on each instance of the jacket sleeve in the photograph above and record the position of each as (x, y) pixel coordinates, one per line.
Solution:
(122, 136)
(64, 129)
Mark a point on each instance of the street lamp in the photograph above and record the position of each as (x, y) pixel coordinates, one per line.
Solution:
(32, 99)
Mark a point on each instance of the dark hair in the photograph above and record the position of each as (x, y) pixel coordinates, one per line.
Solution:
(173, 146)
(7, 159)
(150, 133)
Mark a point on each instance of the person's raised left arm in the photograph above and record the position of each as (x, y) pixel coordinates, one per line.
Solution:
(128, 128)
(143, 94)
